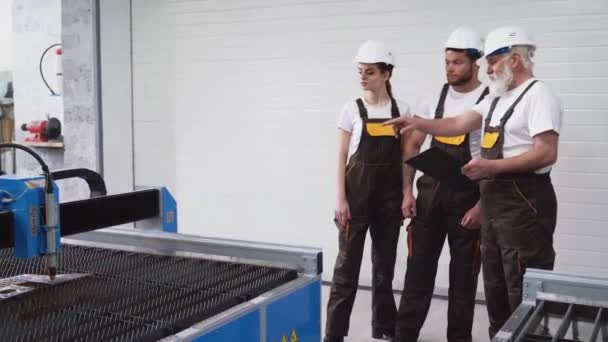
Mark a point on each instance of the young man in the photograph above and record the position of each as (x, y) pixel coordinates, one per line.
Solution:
(442, 210)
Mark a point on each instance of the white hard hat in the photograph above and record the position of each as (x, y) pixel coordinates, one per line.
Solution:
(502, 39)
(374, 52)
(465, 38)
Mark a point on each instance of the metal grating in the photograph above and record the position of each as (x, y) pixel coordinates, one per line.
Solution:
(554, 321)
(127, 296)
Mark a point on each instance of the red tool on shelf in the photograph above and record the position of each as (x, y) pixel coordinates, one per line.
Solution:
(42, 130)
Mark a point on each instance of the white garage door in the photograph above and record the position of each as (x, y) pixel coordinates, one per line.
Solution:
(235, 104)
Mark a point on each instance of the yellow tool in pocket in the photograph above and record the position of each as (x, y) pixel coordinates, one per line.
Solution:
(456, 141)
(490, 139)
(377, 129)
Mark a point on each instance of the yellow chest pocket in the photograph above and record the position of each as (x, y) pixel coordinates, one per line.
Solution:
(456, 141)
(489, 139)
(376, 129)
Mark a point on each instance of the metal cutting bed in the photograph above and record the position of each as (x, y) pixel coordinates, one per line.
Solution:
(126, 295)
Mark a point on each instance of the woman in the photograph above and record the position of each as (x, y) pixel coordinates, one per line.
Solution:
(369, 195)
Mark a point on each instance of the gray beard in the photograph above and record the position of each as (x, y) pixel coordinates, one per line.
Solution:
(500, 85)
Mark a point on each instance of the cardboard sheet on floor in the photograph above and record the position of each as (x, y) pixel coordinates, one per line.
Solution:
(441, 166)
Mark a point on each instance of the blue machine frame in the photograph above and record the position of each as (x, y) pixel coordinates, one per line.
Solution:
(289, 313)
(25, 197)
(167, 221)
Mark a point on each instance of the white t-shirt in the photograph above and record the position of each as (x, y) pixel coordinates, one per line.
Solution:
(539, 111)
(455, 103)
(350, 121)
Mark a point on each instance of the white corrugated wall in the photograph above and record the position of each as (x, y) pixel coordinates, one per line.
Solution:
(235, 104)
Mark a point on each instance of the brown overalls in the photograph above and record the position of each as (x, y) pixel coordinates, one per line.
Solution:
(519, 217)
(440, 208)
(374, 193)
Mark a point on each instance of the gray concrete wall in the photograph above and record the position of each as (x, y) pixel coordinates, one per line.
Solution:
(38, 24)
(81, 89)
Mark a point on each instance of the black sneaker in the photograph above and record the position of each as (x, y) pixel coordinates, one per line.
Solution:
(332, 338)
(383, 334)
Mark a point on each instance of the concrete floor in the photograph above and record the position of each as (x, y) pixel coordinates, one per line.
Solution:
(434, 328)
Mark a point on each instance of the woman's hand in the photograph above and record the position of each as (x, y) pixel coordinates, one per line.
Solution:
(342, 212)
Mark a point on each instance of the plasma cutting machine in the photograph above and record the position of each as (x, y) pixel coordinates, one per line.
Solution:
(147, 283)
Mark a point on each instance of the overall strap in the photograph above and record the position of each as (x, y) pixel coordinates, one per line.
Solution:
(440, 105)
(394, 109)
(362, 109)
(511, 109)
(483, 95)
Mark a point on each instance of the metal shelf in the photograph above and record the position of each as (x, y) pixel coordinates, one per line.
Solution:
(49, 144)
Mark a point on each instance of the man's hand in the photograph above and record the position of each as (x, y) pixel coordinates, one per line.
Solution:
(478, 168)
(408, 206)
(402, 125)
(472, 219)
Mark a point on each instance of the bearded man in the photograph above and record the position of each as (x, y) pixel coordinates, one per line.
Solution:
(520, 122)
